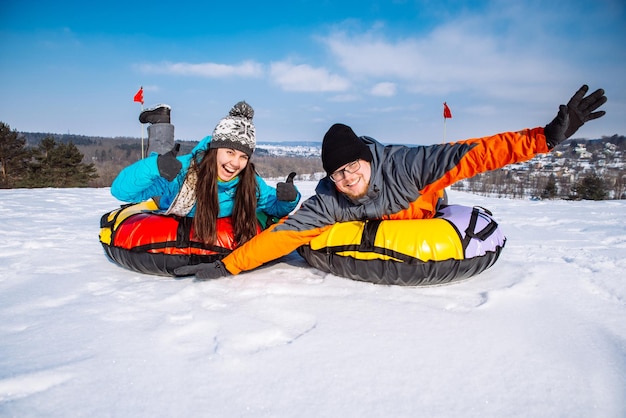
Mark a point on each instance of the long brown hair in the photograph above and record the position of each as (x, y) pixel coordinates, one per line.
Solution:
(207, 205)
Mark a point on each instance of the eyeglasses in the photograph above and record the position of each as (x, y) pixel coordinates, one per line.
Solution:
(351, 168)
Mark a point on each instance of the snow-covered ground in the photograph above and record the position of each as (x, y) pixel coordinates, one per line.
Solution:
(540, 334)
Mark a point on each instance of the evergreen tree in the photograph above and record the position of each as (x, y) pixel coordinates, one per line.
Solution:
(14, 157)
(591, 187)
(550, 190)
(58, 165)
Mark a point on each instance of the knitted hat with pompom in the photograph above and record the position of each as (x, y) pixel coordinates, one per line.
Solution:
(236, 130)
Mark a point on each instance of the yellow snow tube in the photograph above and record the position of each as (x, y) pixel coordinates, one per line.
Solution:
(458, 243)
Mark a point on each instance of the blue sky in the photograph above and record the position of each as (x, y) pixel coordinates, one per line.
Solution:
(383, 67)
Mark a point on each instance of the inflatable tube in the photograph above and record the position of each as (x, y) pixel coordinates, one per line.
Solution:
(138, 238)
(458, 243)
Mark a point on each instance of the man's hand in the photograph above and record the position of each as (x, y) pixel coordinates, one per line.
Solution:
(287, 191)
(579, 109)
(168, 164)
(204, 271)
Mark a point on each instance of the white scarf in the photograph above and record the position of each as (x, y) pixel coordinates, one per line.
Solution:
(186, 197)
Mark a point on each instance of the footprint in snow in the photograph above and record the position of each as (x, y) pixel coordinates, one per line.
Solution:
(272, 330)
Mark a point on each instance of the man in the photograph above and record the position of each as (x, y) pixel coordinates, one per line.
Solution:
(367, 180)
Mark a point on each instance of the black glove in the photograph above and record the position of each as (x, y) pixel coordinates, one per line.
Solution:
(204, 271)
(287, 191)
(579, 109)
(168, 164)
(555, 130)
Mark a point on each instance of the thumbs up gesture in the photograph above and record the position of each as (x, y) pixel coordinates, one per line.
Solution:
(286, 191)
(168, 164)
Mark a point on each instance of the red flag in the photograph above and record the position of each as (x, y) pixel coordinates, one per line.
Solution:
(139, 96)
(446, 111)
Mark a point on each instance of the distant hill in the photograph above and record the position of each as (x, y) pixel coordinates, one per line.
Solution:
(289, 148)
(558, 173)
(569, 162)
(273, 160)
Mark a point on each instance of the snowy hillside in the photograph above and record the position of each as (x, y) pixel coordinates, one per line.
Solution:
(290, 150)
(540, 334)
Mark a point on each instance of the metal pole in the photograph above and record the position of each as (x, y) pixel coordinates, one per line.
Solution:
(142, 147)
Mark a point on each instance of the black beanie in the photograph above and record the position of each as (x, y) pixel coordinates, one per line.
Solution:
(341, 146)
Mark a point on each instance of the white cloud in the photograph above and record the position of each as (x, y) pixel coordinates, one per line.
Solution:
(457, 56)
(207, 69)
(151, 87)
(345, 98)
(366, 55)
(384, 89)
(304, 78)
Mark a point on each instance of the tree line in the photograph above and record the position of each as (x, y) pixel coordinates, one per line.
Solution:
(50, 164)
(576, 169)
(63, 160)
(501, 183)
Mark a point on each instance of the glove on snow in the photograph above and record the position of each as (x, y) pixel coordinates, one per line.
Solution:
(579, 109)
(204, 271)
(287, 191)
(168, 164)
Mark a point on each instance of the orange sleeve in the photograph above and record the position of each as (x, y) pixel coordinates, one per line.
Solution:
(267, 246)
(493, 152)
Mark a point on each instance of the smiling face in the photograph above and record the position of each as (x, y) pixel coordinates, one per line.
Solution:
(230, 162)
(354, 184)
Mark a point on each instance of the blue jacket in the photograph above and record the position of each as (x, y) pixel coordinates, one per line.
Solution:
(141, 181)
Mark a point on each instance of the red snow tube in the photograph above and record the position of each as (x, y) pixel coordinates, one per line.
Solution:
(140, 239)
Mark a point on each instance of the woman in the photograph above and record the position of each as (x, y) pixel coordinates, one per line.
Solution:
(216, 180)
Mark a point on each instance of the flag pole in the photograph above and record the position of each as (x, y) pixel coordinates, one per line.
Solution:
(142, 147)
(446, 114)
(139, 98)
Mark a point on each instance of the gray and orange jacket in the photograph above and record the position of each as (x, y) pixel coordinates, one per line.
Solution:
(406, 183)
